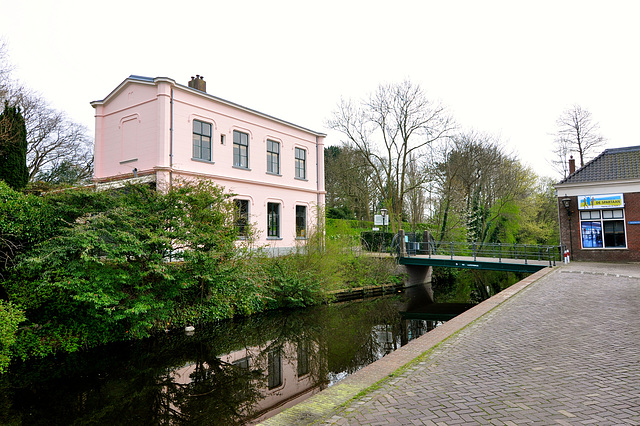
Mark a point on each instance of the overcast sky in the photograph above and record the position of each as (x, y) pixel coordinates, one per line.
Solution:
(507, 68)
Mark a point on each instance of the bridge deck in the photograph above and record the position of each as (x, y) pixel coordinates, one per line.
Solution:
(469, 262)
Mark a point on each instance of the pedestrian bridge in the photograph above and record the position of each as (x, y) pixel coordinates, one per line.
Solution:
(485, 256)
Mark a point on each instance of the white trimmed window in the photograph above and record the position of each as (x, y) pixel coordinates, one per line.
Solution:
(602, 228)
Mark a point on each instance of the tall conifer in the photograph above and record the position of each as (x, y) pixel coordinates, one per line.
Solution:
(13, 147)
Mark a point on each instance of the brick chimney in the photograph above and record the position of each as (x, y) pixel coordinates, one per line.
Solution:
(198, 83)
(572, 165)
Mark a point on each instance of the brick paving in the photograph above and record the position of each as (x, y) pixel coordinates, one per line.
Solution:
(563, 350)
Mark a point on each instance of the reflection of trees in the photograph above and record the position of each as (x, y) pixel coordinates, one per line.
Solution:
(139, 383)
(219, 393)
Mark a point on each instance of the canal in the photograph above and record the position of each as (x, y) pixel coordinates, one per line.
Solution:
(232, 372)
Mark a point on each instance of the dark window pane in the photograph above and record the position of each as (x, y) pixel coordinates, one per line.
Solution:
(275, 369)
(201, 140)
(614, 233)
(303, 358)
(301, 221)
(242, 217)
(273, 220)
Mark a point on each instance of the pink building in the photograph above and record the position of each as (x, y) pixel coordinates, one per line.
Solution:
(156, 130)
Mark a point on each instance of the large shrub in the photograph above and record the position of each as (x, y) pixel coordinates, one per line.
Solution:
(128, 270)
(10, 317)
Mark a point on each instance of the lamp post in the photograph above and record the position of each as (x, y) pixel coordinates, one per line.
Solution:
(383, 212)
(566, 202)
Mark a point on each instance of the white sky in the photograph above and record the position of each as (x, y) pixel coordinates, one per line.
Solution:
(507, 68)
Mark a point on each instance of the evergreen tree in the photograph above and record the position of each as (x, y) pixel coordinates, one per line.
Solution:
(13, 148)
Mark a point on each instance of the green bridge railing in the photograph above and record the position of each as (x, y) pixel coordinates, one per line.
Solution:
(475, 250)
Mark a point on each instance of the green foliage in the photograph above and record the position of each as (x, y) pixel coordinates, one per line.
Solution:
(10, 317)
(337, 228)
(289, 286)
(98, 267)
(539, 218)
(377, 241)
(470, 286)
(113, 274)
(13, 148)
(340, 213)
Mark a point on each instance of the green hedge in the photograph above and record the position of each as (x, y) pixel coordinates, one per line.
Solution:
(376, 241)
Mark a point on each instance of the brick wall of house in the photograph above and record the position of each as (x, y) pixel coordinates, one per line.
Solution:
(630, 254)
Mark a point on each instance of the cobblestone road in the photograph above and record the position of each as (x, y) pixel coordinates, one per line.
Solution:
(565, 350)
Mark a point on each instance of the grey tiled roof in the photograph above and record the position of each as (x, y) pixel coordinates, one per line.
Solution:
(611, 165)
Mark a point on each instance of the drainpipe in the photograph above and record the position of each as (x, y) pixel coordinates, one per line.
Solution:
(318, 215)
(171, 143)
(318, 177)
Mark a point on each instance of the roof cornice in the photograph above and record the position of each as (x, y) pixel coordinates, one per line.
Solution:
(155, 81)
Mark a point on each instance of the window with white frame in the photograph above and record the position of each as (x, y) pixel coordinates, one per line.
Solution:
(201, 140)
(301, 163)
(240, 149)
(602, 228)
(273, 157)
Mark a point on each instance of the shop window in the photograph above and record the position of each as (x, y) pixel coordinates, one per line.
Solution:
(602, 229)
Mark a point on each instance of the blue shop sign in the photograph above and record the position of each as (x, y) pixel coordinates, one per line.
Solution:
(607, 201)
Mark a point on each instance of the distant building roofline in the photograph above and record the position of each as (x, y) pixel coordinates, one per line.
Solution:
(611, 165)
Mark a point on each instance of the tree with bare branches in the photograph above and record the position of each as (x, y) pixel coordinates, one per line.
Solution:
(394, 127)
(58, 149)
(577, 133)
(480, 187)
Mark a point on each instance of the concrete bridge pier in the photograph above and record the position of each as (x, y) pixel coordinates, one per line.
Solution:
(417, 283)
(417, 286)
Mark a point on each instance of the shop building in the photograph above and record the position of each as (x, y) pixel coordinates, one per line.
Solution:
(599, 207)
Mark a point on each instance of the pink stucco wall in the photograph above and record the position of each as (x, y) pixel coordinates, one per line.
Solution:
(143, 121)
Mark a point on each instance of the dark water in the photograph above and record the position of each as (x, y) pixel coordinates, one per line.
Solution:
(232, 372)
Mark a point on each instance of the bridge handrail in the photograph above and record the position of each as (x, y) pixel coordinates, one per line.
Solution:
(497, 251)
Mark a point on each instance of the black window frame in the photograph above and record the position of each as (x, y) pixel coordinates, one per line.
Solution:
(199, 140)
(240, 149)
(303, 352)
(273, 157)
(273, 220)
(301, 222)
(274, 368)
(300, 163)
(241, 218)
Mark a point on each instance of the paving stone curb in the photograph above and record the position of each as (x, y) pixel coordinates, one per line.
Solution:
(322, 405)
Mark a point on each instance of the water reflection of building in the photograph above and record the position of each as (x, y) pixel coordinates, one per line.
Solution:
(284, 375)
(393, 336)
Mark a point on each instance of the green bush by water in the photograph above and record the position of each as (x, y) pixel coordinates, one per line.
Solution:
(84, 268)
